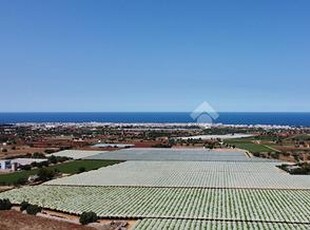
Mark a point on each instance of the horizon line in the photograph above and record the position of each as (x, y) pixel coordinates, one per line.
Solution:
(152, 112)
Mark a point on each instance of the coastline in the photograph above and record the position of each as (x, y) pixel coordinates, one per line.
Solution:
(234, 119)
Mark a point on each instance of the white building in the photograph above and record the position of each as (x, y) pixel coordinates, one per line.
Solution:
(5, 164)
(12, 164)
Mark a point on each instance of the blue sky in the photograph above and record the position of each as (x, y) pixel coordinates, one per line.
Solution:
(65, 55)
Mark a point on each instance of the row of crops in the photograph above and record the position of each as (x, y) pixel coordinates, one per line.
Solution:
(153, 154)
(190, 174)
(137, 202)
(179, 224)
(76, 154)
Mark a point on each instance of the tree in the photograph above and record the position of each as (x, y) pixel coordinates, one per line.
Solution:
(24, 205)
(45, 174)
(52, 159)
(34, 164)
(5, 204)
(33, 209)
(38, 155)
(25, 167)
(88, 217)
(42, 164)
(49, 151)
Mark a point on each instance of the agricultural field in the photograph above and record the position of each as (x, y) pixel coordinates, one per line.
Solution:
(181, 224)
(179, 189)
(170, 154)
(289, 206)
(248, 144)
(67, 168)
(219, 136)
(189, 174)
(76, 154)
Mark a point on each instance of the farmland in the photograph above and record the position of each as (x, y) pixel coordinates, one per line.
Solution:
(204, 204)
(192, 174)
(68, 168)
(182, 224)
(76, 154)
(247, 144)
(164, 154)
(163, 189)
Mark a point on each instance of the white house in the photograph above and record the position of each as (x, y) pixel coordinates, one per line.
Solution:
(12, 164)
(5, 164)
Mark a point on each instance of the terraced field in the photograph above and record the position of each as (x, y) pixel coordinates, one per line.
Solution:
(203, 204)
(190, 175)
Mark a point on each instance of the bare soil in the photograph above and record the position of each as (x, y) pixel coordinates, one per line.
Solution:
(20, 151)
(12, 220)
(5, 188)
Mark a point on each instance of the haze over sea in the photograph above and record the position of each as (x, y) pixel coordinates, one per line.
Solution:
(272, 118)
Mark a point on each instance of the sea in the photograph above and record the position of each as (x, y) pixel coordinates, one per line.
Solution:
(233, 118)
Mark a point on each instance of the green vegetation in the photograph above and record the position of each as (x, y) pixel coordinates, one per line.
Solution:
(72, 167)
(266, 205)
(248, 144)
(33, 209)
(297, 169)
(5, 204)
(45, 174)
(81, 170)
(24, 205)
(301, 137)
(88, 217)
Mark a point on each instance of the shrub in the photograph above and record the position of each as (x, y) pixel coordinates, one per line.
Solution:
(81, 169)
(62, 159)
(34, 164)
(33, 209)
(38, 155)
(274, 155)
(88, 217)
(49, 151)
(5, 204)
(45, 174)
(42, 164)
(25, 167)
(20, 181)
(24, 205)
(52, 159)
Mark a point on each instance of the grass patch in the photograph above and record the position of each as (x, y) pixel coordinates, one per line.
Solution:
(248, 145)
(68, 168)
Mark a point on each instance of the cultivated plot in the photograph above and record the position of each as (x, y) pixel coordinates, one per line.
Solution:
(289, 206)
(165, 154)
(181, 224)
(77, 154)
(190, 174)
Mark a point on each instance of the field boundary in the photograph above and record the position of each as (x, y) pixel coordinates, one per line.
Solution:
(174, 187)
(127, 217)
